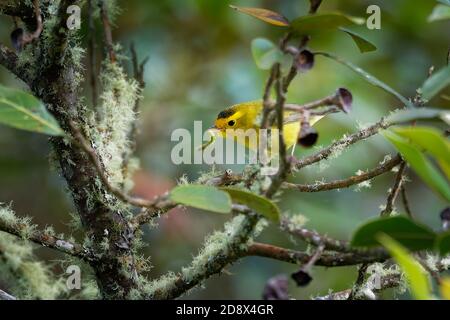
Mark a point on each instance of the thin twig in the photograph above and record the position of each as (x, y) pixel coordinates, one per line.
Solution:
(314, 5)
(293, 71)
(30, 37)
(359, 281)
(46, 240)
(284, 163)
(314, 258)
(342, 143)
(138, 70)
(92, 55)
(314, 238)
(386, 282)
(298, 257)
(405, 201)
(108, 32)
(81, 142)
(6, 296)
(394, 191)
(266, 97)
(346, 183)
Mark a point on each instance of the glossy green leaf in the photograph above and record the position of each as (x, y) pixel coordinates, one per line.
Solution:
(440, 12)
(363, 44)
(265, 53)
(322, 21)
(21, 110)
(415, 274)
(438, 81)
(202, 197)
(443, 244)
(259, 204)
(410, 234)
(408, 115)
(368, 77)
(430, 140)
(421, 165)
(265, 15)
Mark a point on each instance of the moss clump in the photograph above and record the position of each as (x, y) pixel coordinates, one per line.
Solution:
(220, 248)
(109, 128)
(9, 219)
(25, 277)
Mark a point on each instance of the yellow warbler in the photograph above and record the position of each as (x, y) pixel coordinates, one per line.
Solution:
(248, 115)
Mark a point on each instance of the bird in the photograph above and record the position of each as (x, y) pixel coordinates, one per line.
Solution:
(248, 115)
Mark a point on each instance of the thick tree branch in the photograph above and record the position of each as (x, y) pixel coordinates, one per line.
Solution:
(346, 183)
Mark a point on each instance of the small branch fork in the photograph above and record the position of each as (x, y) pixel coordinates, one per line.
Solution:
(399, 178)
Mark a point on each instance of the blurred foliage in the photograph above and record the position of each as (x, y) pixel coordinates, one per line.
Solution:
(201, 62)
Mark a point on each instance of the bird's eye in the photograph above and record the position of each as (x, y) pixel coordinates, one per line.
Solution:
(231, 123)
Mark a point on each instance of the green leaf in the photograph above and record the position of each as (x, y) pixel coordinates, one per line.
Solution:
(421, 165)
(443, 244)
(265, 53)
(368, 77)
(21, 110)
(202, 197)
(265, 15)
(363, 44)
(322, 21)
(412, 235)
(415, 274)
(259, 204)
(408, 115)
(430, 140)
(438, 81)
(440, 12)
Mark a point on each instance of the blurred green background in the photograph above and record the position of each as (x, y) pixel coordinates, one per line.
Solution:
(200, 62)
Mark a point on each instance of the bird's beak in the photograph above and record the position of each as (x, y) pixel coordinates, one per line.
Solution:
(212, 127)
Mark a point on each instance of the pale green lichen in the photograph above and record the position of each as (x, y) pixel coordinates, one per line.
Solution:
(109, 129)
(227, 244)
(23, 225)
(376, 273)
(295, 222)
(49, 230)
(25, 277)
(365, 184)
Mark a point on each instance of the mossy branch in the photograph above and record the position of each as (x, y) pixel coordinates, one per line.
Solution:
(22, 228)
(348, 182)
(326, 259)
